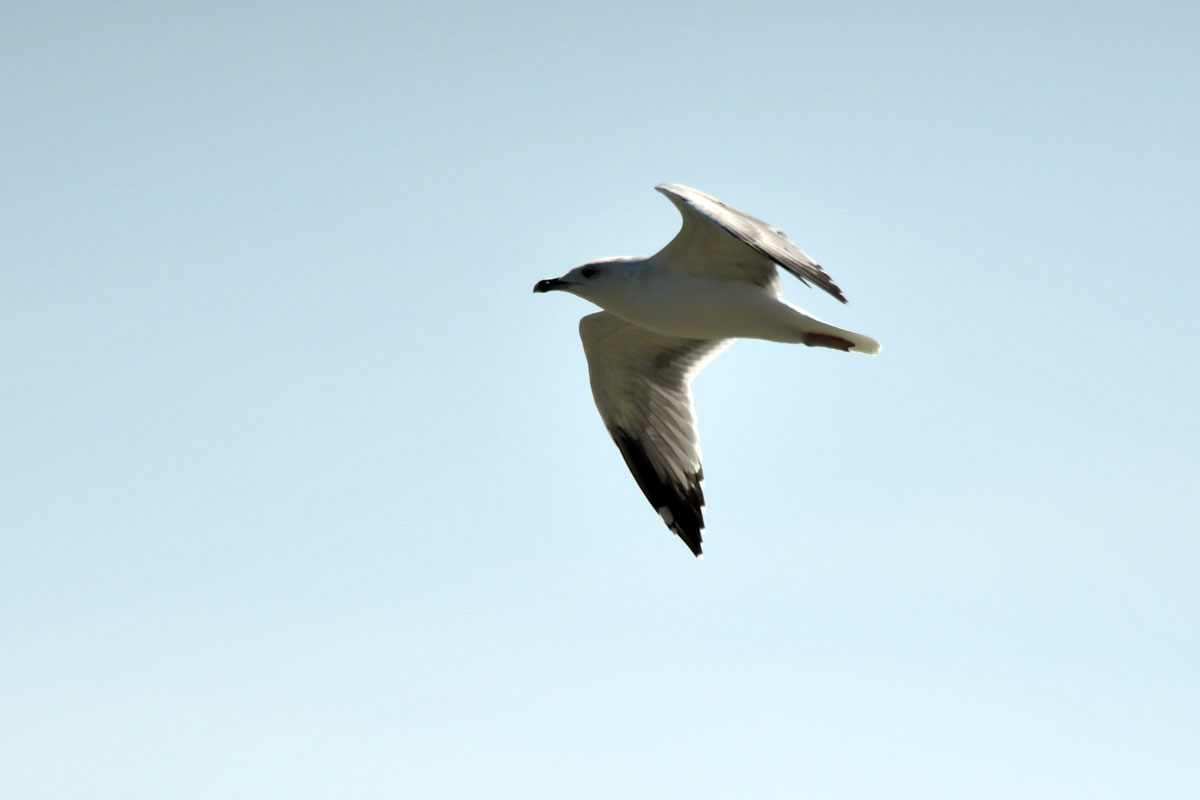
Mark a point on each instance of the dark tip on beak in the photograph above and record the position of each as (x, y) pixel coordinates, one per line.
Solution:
(548, 285)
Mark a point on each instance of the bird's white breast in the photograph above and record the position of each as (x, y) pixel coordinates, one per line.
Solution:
(701, 308)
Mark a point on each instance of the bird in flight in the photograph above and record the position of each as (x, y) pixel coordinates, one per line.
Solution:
(666, 316)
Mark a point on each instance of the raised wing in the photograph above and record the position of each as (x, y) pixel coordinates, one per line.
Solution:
(720, 241)
(641, 382)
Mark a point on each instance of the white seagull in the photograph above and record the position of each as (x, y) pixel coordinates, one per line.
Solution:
(667, 316)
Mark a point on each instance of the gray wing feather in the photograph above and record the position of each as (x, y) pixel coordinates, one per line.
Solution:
(641, 382)
(718, 239)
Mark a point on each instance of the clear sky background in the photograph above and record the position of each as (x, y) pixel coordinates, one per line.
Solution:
(303, 494)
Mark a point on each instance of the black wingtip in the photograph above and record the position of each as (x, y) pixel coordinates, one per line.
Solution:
(691, 538)
(830, 287)
(679, 504)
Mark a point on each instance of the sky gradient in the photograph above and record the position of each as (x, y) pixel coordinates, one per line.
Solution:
(304, 491)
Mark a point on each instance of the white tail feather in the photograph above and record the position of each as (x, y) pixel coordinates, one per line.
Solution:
(805, 323)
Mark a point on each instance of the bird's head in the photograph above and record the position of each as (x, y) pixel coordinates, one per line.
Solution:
(593, 281)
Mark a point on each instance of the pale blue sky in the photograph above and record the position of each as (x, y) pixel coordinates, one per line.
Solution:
(305, 495)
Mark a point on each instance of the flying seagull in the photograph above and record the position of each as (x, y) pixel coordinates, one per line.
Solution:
(666, 316)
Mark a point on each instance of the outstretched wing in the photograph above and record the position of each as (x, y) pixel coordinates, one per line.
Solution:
(641, 382)
(718, 240)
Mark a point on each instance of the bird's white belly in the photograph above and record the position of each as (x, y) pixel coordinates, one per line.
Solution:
(699, 308)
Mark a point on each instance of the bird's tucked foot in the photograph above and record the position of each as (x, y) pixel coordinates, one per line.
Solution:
(824, 340)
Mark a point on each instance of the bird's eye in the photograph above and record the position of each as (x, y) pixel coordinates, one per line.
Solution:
(589, 272)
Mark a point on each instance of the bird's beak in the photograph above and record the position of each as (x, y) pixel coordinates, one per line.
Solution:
(549, 285)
